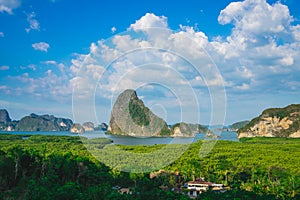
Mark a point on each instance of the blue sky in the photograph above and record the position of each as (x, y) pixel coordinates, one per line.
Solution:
(58, 53)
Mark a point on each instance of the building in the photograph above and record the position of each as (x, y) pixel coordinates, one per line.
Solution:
(200, 185)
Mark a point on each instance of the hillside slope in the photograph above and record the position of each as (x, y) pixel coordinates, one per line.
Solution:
(274, 122)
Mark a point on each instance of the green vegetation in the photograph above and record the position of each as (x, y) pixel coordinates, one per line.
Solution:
(138, 112)
(60, 167)
(239, 125)
(282, 112)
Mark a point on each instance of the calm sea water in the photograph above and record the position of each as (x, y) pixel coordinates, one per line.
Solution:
(126, 140)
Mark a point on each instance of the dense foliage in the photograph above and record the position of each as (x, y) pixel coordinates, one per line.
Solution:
(239, 125)
(138, 112)
(60, 167)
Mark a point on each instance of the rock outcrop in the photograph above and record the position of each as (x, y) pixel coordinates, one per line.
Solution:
(187, 130)
(4, 116)
(101, 127)
(35, 122)
(131, 117)
(6, 124)
(274, 122)
(104, 126)
(77, 128)
(88, 126)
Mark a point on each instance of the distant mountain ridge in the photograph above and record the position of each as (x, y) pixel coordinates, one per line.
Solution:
(274, 122)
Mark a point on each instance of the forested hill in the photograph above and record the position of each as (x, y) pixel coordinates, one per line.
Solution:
(274, 122)
(238, 125)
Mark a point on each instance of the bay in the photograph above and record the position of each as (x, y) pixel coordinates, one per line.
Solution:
(128, 140)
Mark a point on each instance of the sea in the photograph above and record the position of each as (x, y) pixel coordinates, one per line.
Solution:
(129, 140)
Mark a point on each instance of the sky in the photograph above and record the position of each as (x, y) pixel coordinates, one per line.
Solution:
(199, 61)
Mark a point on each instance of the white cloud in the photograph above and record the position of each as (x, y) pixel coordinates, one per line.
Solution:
(113, 29)
(287, 61)
(50, 62)
(150, 20)
(125, 43)
(256, 16)
(148, 53)
(258, 29)
(9, 5)
(296, 32)
(32, 67)
(33, 22)
(245, 72)
(244, 86)
(130, 52)
(264, 41)
(4, 68)
(1, 34)
(46, 86)
(41, 46)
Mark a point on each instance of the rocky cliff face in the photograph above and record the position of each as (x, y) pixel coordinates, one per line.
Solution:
(88, 126)
(4, 116)
(77, 128)
(35, 122)
(187, 130)
(274, 122)
(131, 117)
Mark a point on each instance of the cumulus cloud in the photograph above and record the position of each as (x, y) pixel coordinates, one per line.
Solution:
(47, 85)
(257, 16)
(33, 22)
(263, 45)
(1, 34)
(9, 5)
(41, 46)
(150, 20)
(149, 53)
(173, 59)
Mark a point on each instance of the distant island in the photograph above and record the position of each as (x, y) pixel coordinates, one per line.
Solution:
(34, 122)
(132, 118)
